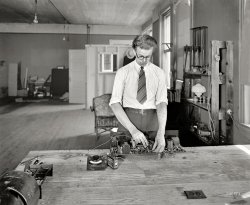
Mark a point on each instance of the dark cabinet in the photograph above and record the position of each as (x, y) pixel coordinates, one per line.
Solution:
(59, 82)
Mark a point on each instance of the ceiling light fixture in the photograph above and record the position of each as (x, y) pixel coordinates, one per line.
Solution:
(64, 38)
(35, 17)
(65, 34)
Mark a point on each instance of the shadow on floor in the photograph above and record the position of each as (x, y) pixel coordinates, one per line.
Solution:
(11, 107)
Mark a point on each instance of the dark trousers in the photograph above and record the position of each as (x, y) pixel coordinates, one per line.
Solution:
(144, 120)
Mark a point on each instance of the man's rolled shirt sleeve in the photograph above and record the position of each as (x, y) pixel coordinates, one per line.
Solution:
(118, 87)
(162, 92)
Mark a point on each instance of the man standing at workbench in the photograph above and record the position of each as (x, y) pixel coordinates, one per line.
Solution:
(139, 96)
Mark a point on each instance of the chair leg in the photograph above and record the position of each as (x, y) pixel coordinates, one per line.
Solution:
(100, 131)
(96, 131)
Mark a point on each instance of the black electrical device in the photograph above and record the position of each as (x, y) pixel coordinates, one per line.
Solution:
(112, 161)
(122, 144)
(96, 162)
(195, 194)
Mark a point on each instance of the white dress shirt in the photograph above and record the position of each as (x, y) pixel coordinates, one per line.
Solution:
(126, 83)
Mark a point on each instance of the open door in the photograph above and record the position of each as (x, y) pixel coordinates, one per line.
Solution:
(77, 76)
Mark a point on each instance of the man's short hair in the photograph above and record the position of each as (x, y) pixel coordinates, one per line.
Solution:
(144, 42)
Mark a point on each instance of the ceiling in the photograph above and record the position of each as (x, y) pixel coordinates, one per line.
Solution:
(93, 12)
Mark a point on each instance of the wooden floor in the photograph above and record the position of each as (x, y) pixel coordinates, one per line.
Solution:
(44, 126)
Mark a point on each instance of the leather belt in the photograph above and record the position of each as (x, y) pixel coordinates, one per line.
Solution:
(140, 111)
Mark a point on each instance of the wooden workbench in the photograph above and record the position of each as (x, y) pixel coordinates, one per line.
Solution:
(221, 172)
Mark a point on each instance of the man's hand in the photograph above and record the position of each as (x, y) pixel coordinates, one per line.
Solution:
(139, 137)
(160, 143)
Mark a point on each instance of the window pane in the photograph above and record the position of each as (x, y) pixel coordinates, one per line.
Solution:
(167, 26)
(114, 62)
(107, 62)
(166, 56)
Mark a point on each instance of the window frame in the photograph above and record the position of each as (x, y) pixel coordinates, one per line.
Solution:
(104, 67)
(244, 98)
(166, 47)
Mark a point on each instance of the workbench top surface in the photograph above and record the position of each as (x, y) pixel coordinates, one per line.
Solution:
(221, 172)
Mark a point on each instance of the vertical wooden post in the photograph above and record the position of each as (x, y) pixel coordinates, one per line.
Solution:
(223, 100)
(215, 65)
(229, 92)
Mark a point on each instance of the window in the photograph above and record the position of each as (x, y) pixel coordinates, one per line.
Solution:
(107, 62)
(244, 70)
(166, 45)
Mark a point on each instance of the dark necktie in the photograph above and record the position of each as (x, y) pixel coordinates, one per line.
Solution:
(141, 91)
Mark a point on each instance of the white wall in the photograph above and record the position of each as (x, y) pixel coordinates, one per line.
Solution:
(183, 25)
(100, 83)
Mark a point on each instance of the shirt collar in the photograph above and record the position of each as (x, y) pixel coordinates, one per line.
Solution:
(138, 67)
